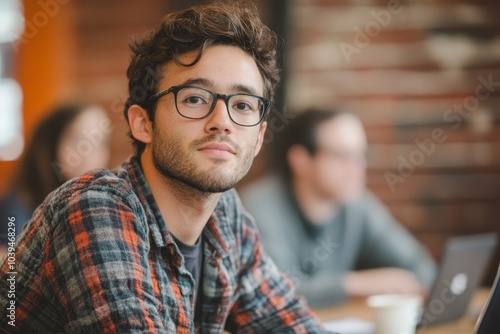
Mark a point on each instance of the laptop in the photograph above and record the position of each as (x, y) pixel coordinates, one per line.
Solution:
(464, 263)
(488, 319)
(462, 268)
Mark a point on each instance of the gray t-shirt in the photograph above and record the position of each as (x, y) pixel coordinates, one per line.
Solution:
(193, 260)
(361, 235)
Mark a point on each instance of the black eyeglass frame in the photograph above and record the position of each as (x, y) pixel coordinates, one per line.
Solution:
(175, 89)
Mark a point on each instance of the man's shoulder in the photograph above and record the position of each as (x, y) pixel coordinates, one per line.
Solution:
(104, 180)
(266, 188)
(96, 185)
(268, 201)
(369, 210)
(367, 201)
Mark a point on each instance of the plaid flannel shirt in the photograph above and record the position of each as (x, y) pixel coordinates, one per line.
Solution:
(97, 257)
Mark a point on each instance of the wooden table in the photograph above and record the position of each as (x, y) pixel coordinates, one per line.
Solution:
(357, 308)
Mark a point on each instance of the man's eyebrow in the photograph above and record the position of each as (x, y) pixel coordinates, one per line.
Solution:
(245, 89)
(205, 83)
(198, 81)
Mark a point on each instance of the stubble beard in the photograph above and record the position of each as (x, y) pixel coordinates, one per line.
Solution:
(179, 166)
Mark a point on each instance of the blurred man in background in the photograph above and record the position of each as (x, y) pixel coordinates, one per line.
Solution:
(321, 226)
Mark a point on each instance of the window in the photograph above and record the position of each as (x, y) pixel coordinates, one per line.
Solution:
(11, 134)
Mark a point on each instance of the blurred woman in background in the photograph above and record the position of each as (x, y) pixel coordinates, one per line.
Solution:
(71, 140)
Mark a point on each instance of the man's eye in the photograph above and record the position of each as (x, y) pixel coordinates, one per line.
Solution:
(243, 106)
(195, 100)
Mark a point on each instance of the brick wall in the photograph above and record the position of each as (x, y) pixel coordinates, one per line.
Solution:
(103, 32)
(425, 79)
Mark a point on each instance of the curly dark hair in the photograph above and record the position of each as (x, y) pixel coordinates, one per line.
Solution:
(198, 28)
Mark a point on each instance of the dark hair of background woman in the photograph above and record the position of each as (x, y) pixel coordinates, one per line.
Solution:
(38, 173)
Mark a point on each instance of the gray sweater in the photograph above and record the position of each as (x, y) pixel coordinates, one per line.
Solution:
(361, 235)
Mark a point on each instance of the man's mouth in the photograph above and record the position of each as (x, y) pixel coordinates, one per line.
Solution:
(221, 150)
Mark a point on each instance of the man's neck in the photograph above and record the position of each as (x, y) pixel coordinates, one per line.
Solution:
(316, 208)
(185, 210)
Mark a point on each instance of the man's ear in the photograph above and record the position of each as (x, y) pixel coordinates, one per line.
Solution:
(140, 125)
(260, 139)
(299, 160)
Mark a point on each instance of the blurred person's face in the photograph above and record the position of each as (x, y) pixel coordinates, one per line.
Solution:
(84, 144)
(338, 167)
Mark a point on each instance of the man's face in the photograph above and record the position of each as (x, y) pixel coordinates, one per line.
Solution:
(210, 154)
(339, 164)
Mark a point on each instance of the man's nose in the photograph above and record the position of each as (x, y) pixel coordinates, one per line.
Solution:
(219, 120)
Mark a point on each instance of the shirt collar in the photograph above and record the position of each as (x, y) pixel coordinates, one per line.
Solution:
(217, 232)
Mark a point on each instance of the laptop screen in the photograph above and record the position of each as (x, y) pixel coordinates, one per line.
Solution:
(463, 265)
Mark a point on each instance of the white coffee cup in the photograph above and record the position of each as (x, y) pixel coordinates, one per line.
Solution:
(395, 313)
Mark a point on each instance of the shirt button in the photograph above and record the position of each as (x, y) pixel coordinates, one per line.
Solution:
(185, 291)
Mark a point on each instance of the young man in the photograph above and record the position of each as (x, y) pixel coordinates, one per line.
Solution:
(333, 238)
(161, 244)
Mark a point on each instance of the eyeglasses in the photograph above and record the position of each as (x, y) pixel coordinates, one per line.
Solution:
(197, 103)
(344, 155)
